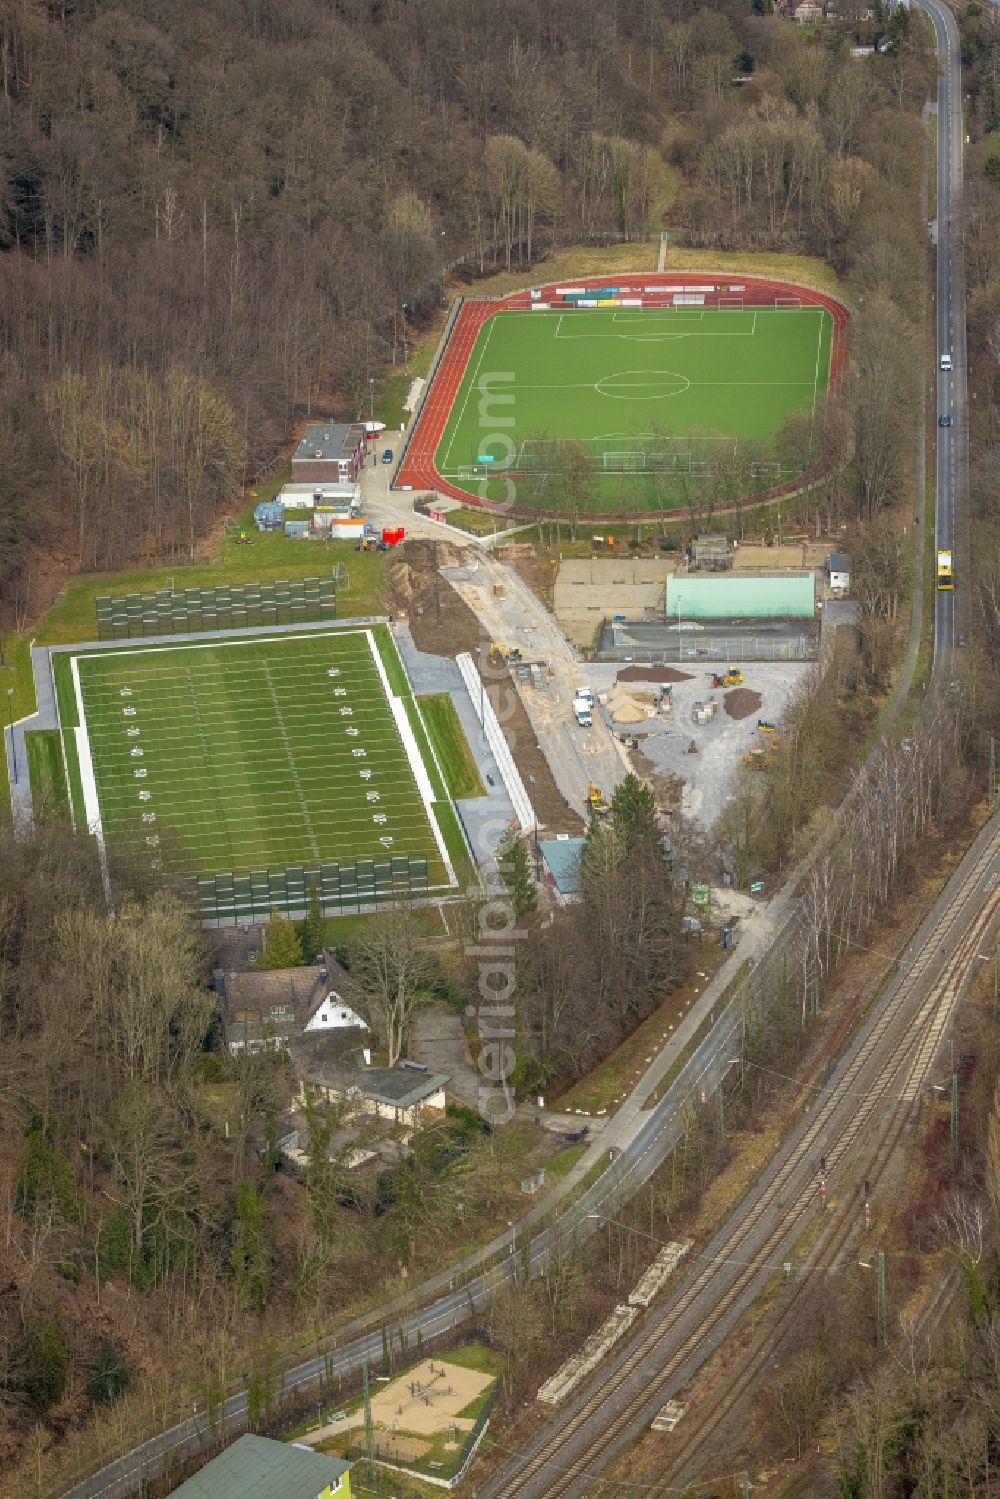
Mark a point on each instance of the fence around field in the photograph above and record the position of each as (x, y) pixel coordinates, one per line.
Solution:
(167, 611)
(707, 646)
(442, 1476)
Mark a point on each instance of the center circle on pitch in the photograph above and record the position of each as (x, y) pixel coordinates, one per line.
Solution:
(642, 385)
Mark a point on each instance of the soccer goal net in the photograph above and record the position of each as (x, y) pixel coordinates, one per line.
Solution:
(788, 301)
(633, 462)
(732, 302)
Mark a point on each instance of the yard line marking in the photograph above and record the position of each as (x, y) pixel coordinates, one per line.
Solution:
(216, 818)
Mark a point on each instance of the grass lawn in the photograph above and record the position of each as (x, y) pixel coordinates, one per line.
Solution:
(661, 397)
(561, 1164)
(474, 1356)
(447, 736)
(74, 616)
(341, 929)
(591, 260)
(267, 752)
(45, 770)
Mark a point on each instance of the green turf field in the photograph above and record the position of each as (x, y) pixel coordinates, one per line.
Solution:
(678, 390)
(266, 752)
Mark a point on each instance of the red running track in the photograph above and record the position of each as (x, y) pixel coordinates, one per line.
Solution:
(418, 470)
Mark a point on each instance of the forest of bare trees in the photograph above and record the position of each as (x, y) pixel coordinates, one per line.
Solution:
(208, 226)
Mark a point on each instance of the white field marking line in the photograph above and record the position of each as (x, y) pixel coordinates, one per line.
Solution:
(200, 735)
(311, 635)
(171, 729)
(304, 711)
(107, 684)
(472, 386)
(399, 806)
(244, 643)
(316, 755)
(244, 672)
(91, 802)
(179, 770)
(417, 765)
(405, 807)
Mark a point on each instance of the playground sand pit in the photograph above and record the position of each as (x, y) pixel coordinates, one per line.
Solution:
(398, 1447)
(426, 1399)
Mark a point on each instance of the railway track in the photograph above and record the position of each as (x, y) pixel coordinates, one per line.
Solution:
(876, 1089)
(871, 1162)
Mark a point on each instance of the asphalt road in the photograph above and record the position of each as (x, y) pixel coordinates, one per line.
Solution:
(949, 297)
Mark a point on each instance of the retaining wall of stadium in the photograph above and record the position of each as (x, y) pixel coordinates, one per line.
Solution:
(417, 469)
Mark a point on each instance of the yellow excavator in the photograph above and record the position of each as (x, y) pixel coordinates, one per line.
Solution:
(500, 655)
(760, 758)
(595, 801)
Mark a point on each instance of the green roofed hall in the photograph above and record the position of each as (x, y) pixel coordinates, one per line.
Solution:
(788, 596)
(257, 1468)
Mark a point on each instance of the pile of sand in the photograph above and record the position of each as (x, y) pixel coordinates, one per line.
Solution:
(629, 707)
(741, 702)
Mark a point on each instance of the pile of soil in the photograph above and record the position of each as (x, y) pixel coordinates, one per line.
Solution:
(440, 621)
(741, 702)
(442, 624)
(653, 674)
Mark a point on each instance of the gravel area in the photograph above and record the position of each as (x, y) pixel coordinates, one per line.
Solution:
(741, 702)
(708, 774)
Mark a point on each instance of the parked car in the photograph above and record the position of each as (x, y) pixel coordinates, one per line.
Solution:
(944, 421)
(387, 456)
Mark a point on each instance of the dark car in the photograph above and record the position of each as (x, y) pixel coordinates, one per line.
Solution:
(387, 456)
(944, 421)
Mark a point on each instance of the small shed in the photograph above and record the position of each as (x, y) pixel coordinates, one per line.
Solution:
(562, 865)
(838, 572)
(712, 553)
(403, 1094)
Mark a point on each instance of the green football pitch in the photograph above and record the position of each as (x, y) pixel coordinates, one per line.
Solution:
(629, 381)
(264, 752)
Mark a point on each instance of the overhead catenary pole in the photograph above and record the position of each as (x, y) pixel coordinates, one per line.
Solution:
(369, 1430)
(880, 1307)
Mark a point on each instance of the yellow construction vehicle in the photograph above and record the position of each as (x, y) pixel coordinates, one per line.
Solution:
(760, 759)
(595, 801)
(733, 677)
(500, 655)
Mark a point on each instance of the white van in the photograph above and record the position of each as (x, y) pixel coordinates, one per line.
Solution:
(946, 361)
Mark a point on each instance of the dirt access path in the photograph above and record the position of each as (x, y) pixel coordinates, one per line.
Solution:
(510, 613)
(442, 623)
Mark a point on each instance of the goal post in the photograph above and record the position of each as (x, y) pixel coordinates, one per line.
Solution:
(630, 462)
(788, 301)
(732, 304)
